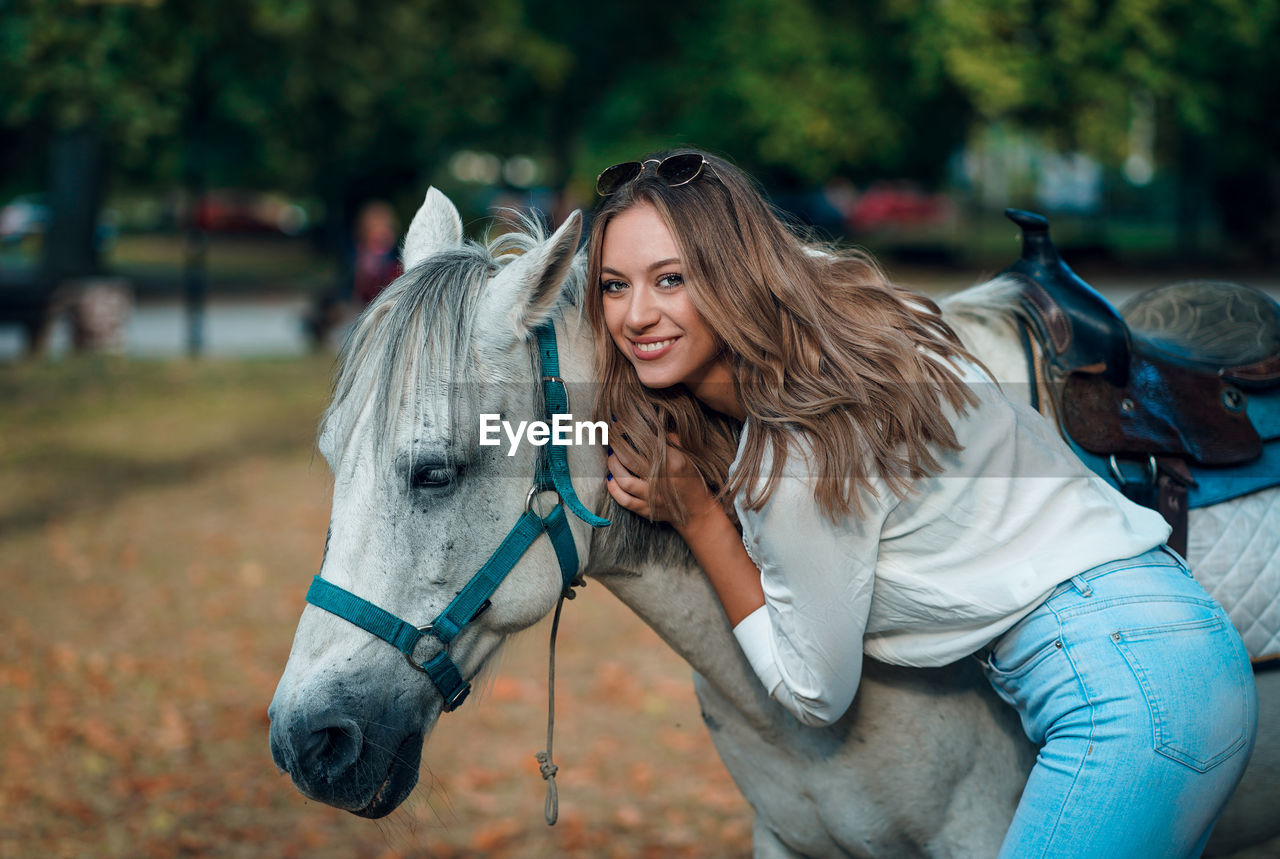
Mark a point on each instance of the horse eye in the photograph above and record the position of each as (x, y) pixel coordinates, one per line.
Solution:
(433, 476)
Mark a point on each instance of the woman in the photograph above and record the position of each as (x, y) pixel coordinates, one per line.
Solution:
(893, 502)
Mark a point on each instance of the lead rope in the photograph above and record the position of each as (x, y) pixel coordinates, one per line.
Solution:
(551, 809)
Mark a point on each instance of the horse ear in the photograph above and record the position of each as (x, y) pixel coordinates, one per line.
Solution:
(526, 292)
(435, 227)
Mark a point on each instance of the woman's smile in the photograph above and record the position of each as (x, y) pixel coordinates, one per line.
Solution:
(647, 350)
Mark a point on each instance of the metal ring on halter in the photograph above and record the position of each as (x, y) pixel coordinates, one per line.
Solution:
(408, 657)
(535, 491)
(1152, 471)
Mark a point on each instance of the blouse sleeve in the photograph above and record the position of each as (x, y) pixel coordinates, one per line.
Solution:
(805, 642)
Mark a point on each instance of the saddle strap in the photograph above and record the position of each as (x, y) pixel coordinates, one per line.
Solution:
(1171, 500)
(1163, 487)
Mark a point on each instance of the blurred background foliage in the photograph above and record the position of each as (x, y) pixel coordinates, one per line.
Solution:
(1171, 101)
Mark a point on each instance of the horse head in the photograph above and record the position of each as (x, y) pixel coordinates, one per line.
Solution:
(420, 504)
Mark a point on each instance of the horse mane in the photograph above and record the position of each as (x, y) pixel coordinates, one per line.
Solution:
(417, 335)
(997, 301)
(632, 542)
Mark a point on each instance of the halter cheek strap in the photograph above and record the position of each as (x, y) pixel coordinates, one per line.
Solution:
(552, 476)
(553, 466)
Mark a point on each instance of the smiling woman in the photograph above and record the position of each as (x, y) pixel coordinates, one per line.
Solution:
(851, 481)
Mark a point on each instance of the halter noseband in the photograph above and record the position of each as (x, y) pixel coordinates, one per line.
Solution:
(552, 476)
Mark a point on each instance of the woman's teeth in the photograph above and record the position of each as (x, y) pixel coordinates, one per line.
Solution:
(654, 347)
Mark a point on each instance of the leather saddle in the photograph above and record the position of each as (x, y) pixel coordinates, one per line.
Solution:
(1183, 382)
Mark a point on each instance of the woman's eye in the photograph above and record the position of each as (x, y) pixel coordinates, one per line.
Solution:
(671, 281)
(612, 286)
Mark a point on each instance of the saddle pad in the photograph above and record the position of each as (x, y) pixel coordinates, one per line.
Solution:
(1234, 551)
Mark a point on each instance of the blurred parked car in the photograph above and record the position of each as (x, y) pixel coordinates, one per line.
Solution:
(23, 216)
(897, 204)
(28, 215)
(249, 212)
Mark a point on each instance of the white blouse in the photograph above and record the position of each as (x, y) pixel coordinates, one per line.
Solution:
(931, 578)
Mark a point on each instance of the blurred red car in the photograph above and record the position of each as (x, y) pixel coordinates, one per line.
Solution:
(897, 204)
(249, 212)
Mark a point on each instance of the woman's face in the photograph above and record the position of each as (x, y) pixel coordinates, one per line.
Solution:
(647, 308)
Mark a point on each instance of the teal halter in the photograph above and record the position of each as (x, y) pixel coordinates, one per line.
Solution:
(552, 476)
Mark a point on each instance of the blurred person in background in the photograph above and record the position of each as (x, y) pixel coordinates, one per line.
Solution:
(377, 251)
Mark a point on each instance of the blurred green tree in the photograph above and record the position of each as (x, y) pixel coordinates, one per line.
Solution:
(1073, 71)
(795, 90)
(346, 99)
(73, 76)
(340, 99)
(800, 90)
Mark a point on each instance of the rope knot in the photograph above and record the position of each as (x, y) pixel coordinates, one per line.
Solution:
(550, 808)
(545, 766)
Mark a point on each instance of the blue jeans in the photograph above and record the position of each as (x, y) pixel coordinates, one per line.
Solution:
(1139, 692)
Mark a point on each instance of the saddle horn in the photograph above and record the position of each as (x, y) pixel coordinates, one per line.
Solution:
(1079, 329)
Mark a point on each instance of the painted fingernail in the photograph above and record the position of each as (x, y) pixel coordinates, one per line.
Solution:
(609, 476)
(610, 450)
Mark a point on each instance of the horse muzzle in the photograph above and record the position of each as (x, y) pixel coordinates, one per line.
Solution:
(363, 763)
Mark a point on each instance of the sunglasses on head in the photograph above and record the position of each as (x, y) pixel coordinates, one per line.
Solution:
(675, 170)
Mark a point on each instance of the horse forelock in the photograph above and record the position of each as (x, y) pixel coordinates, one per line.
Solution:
(413, 351)
(412, 341)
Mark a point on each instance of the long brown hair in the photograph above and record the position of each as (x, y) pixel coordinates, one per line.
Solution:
(819, 342)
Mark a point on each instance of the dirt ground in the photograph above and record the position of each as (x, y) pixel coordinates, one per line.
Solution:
(159, 524)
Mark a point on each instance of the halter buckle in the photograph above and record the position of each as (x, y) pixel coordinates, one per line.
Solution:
(564, 391)
(455, 700)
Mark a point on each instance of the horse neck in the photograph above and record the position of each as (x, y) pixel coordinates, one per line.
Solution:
(678, 603)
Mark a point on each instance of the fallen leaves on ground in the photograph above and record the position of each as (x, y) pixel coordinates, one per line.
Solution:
(148, 610)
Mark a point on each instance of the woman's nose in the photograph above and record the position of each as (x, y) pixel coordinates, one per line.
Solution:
(642, 311)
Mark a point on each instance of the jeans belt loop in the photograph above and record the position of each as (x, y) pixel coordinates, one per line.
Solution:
(1082, 586)
(1182, 562)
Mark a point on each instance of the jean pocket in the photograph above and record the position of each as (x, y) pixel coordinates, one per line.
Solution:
(1011, 665)
(1192, 677)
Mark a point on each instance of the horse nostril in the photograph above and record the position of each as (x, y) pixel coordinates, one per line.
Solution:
(331, 750)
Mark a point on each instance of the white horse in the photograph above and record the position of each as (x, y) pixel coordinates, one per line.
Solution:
(927, 762)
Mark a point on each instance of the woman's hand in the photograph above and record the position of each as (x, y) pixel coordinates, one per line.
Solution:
(706, 529)
(632, 491)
